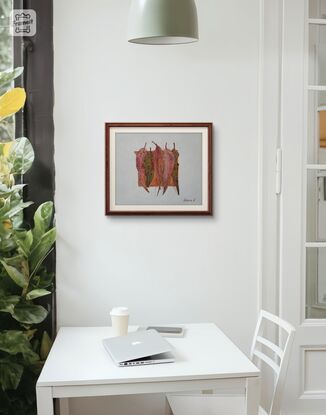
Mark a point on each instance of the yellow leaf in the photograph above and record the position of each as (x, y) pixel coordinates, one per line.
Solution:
(6, 148)
(11, 102)
(7, 224)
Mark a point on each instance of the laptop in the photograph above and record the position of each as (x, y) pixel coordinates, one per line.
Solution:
(139, 348)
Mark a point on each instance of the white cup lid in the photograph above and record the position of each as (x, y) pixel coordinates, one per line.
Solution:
(119, 311)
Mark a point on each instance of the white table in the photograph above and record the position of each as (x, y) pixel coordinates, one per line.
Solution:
(206, 359)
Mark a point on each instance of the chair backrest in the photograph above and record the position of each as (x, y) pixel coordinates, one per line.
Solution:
(279, 362)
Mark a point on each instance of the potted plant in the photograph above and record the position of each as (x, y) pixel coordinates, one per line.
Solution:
(24, 279)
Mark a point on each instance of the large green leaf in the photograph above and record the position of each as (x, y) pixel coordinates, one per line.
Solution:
(9, 75)
(15, 275)
(18, 208)
(44, 280)
(18, 220)
(10, 374)
(28, 313)
(11, 209)
(7, 243)
(7, 191)
(5, 206)
(24, 240)
(14, 342)
(21, 155)
(15, 261)
(7, 303)
(41, 250)
(36, 294)
(42, 220)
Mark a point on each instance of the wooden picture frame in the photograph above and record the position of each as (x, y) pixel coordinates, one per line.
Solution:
(158, 168)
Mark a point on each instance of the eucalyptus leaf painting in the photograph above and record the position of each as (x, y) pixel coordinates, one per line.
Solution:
(158, 168)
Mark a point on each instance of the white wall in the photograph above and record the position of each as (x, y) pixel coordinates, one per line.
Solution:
(163, 269)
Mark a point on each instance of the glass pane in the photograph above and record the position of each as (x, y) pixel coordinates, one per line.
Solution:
(317, 54)
(316, 205)
(316, 283)
(317, 9)
(316, 128)
(6, 40)
(6, 61)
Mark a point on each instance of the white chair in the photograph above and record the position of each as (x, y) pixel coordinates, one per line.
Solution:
(276, 358)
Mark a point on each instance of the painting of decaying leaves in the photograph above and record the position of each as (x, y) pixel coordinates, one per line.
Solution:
(158, 168)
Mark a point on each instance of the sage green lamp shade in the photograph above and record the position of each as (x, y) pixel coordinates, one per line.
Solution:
(163, 22)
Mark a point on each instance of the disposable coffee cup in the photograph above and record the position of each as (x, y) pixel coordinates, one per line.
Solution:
(119, 319)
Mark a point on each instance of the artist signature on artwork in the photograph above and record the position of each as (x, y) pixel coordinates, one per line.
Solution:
(187, 200)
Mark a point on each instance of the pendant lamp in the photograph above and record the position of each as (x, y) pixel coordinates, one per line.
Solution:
(163, 22)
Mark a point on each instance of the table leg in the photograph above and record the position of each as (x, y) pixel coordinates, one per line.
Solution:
(44, 400)
(253, 395)
(168, 410)
(64, 406)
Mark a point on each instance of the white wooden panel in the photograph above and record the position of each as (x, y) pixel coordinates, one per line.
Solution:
(144, 388)
(315, 371)
(317, 21)
(316, 166)
(317, 88)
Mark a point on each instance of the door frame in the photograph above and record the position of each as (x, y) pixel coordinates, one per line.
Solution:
(284, 125)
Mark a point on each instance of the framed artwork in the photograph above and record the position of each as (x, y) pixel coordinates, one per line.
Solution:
(158, 168)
